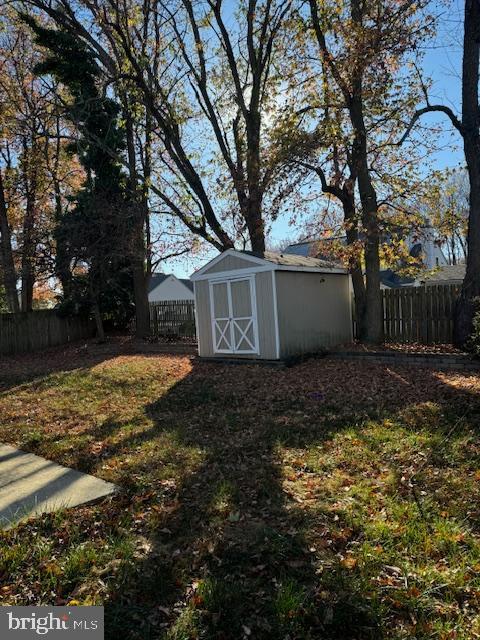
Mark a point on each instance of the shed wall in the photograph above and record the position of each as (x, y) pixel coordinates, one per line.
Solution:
(266, 315)
(313, 311)
(204, 318)
(265, 319)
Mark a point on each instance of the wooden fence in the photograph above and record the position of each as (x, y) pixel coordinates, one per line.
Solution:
(410, 314)
(419, 314)
(23, 332)
(173, 318)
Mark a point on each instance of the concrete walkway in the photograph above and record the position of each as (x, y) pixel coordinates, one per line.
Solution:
(30, 485)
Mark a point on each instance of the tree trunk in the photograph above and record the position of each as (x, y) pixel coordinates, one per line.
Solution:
(368, 198)
(62, 259)
(142, 308)
(6, 255)
(146, 191)
(94, 279)
(466, 304)
(355, 266)
(373, 315)
(98, 323)
(28, 252)
(256, 228)
(139, 252)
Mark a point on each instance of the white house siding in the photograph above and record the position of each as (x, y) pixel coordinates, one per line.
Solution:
(313, 311)
(170, 289)
(432, 253)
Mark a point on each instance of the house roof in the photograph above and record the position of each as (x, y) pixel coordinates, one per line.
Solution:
(450, 273)
(392, 280)
(158, 278)
(155, 280)
(299, 248)
(311, 248)
(187, 282)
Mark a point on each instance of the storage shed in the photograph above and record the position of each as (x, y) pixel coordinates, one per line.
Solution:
(270, 306)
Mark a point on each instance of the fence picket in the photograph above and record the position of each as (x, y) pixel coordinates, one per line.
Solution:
(33, 330)
(419, 314)
(173, 317)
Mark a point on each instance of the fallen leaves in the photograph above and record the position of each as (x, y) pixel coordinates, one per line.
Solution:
(310, 460)
(349, 562)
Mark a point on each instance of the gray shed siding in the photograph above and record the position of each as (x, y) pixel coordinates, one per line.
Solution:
(265, 315)
(265, 318)
(204, 318)
(313, 311)
(230, 263)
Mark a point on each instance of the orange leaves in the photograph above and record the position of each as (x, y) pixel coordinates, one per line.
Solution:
(7, 589)
(413, 592)
(97, 448)
(51, 567)
(349, 562)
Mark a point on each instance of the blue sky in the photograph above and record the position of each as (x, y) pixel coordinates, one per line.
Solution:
(442, 63)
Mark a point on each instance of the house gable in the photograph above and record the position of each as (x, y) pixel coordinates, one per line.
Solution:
(171, 288)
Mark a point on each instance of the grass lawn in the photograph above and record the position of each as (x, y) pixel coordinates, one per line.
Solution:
(328, 500)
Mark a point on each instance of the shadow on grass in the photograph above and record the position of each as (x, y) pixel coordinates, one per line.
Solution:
(231, 555)
(231, 550)
(22, 369)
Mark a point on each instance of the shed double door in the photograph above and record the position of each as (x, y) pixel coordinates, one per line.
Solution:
(234, 318)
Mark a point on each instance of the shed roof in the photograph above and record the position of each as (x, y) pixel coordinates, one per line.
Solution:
(272, 261)
(294, 260)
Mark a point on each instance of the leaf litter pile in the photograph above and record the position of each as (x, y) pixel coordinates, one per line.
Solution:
(333, 499)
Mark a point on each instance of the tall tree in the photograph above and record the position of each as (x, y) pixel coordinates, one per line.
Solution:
(27, 117)
(468, 126)
(350, 115)
(6, 254)
(360, 49)
(190, 67)
(99, 229)
(470, 130)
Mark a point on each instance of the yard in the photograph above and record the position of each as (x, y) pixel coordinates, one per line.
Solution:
(328, 500)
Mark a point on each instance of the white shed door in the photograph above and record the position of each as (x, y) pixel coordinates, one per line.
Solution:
(221, 325)
(234, 323)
